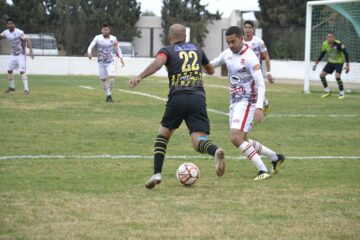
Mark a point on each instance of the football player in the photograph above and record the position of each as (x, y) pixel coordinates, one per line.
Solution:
(337, 56)
(247, 94)
(185, 63)
(107, 46)
(18, 41)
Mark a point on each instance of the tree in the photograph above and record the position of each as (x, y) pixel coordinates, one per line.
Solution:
(75, 22)
(3, 10)
(189, 13)
(29, 15)
(283, 25)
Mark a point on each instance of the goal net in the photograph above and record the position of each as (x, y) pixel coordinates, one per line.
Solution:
(341, 17)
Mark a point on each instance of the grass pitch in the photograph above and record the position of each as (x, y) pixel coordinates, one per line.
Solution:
(73, 192)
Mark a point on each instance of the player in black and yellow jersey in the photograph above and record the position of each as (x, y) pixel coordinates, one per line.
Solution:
(185, 63)
(337, 56)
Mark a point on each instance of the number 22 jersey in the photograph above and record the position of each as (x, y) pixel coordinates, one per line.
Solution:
(184, 65)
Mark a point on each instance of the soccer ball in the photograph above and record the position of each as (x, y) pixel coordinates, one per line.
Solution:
(188, 173)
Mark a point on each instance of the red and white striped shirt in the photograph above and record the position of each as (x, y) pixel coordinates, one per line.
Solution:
(244, 74)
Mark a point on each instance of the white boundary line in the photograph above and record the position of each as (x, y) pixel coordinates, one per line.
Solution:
(108, 156)
(227, 114)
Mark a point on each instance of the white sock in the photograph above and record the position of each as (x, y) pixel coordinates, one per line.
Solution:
(250, 152)
(262, 150)
(11, 80)
(25, 81)
(111, 85)
(327, 89)
(105, 87)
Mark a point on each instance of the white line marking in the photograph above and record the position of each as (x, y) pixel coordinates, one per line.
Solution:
(144, 94)
(108, 156)
(227, 114)
(311, 115)
(87, 87)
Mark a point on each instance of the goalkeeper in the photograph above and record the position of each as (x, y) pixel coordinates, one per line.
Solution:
(337, 55)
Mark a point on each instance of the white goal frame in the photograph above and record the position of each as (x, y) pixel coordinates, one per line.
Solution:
(309, 8)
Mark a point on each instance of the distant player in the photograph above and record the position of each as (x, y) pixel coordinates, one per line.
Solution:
(337, 55)
(258, 46)
(247, 93)
(185, 63)
(18, 41)
(107, 47)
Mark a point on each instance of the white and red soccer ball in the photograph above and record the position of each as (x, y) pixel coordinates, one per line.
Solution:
(188, 173)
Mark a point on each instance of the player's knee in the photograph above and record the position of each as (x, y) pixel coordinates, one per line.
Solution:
(236, 140)
(322, 75)
(201, 143)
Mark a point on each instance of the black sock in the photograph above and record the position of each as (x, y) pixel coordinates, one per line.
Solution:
(159, 153)
(324, 82)
(206, 146)
(340, 84)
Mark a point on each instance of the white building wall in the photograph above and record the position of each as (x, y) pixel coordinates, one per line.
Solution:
(133, 66)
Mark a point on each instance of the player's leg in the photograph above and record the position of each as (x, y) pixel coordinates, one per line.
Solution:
(338, 71)
(11, 67)
(170, 121)
(103, 78)
(110, 70)
(24, 77)
(241, 115)
(198, 123)
(328, 69)
(276, 158)
(203, 144)
(160, 145)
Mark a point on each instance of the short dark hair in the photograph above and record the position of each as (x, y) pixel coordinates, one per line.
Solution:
(331, 32)
(105, 24)
(249, 22)
(10, 20)
(234, 30)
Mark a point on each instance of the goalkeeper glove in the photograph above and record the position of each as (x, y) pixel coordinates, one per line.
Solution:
(314, 67)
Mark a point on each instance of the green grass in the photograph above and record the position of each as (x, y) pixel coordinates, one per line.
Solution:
(103, 198)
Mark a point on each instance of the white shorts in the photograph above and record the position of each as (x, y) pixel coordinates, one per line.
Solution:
(17, 61)
(241, 115)
(106, 70)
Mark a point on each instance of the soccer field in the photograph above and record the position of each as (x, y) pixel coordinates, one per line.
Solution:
(74, 167)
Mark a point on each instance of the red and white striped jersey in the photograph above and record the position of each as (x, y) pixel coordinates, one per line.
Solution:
(107, 48)
(244, 74)
(16, 39)
(257, 45)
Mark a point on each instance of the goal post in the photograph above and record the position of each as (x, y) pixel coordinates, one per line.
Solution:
(341, 17)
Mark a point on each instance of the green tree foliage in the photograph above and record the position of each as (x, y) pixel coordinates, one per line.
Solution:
(190, 13)
(76, 22)
(3, 10)
(283, 24)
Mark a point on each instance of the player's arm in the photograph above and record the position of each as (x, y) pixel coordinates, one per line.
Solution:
(159, 61)
(91, 46)
(208, 68)
(265, 54)
(29, 44)
(255, 70)
(322, 54)
(118, 52)
(216, 62)
(347, 59)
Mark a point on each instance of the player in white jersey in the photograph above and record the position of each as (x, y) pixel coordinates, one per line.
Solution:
(18, 41)
(107, 47)
(258, 46)
(247, 93)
